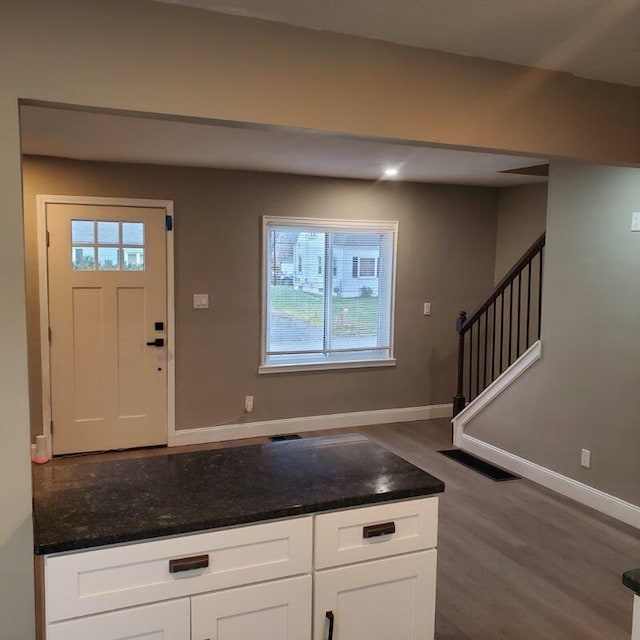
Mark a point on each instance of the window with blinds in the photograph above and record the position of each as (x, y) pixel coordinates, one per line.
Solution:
(328, 293)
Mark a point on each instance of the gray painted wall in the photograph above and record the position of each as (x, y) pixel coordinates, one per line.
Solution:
(584, 391)
(522, 214)
(218, 224)
(123, 54)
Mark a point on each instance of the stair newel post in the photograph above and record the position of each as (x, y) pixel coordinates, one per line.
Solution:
(459, 399)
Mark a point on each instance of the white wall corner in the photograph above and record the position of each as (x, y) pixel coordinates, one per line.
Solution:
(497, 387)
(220, 433)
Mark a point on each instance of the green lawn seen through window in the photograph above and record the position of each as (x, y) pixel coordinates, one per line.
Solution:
(349, 316)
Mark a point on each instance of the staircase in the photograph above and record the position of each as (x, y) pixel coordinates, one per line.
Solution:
(501, 329)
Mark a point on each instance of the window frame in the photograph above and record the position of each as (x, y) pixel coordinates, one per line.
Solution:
(337, 225)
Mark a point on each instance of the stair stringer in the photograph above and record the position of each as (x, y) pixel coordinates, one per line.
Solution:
(496, 388)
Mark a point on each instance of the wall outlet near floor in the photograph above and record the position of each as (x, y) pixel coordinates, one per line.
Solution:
(585, 459)
(248, 404)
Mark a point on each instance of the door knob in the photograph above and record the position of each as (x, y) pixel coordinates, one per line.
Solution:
(158, 342)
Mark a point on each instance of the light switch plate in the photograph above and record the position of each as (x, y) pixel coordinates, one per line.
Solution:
(200, 300)
(635, 221)
(426, 309)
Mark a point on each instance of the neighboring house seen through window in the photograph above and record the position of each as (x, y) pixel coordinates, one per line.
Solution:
(336, 317)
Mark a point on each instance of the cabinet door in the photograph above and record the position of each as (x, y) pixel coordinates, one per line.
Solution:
(279, 610)
(378, 600)
(163, 621)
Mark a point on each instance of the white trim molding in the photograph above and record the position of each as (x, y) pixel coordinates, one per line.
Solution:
(42, 201)
(310, 423)
(584, 494)
(502, 382)
(599, 500)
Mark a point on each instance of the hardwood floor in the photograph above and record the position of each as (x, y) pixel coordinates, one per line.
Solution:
(515, 560)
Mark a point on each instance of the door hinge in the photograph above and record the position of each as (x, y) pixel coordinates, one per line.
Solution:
(169, 223)
(52, 427)
(49, 334)
(48, 239)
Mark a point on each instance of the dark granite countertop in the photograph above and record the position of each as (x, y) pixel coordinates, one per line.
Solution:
(80, 504)
(631, 579)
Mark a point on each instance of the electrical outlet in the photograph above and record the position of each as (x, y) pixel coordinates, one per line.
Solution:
(585, 459)
(248, 404)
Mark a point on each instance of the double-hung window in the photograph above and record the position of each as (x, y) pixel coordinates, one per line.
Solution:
(316, 317)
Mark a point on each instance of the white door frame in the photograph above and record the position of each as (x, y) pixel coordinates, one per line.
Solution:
(43, 281)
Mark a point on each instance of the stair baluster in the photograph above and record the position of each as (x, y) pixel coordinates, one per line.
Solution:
(486, 359)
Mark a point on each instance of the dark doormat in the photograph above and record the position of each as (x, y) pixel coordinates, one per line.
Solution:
(282, 438)
(479, 465)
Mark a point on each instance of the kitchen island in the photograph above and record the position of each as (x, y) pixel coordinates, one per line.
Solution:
(324, 538)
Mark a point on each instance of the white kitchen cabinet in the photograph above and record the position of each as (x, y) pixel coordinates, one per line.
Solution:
(105, 579)
(161, 621)
(373, 568)
(378, 600)
(379, 531)
(278, 610)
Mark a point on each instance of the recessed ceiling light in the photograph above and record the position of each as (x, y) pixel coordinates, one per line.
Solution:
(390, 172)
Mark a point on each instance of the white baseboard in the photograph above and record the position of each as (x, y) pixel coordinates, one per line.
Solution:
(311, 423)
(498, 386)
(599, 500)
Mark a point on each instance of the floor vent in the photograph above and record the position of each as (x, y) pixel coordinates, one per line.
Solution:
(283, 438)
(481, 466)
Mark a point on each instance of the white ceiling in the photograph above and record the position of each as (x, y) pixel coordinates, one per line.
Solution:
(595, 39)
(99, 136)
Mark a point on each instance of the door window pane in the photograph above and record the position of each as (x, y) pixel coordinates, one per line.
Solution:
(133, 258)
(108, 233)
(113, 257)
(133, 233)
(83, 258)
(108, 259)
(82, 231)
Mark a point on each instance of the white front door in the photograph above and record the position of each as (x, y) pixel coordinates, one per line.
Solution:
(107, 281)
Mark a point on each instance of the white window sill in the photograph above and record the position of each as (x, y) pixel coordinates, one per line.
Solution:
(324, 366)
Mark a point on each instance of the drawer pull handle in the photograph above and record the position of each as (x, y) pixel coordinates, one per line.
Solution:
(188, 564)
(376, 530)
(331, 618)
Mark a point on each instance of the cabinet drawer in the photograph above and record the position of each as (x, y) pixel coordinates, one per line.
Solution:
(344, 537)
(77, 584)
